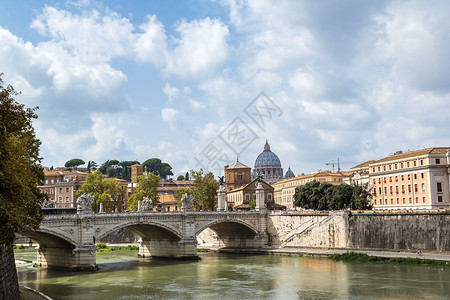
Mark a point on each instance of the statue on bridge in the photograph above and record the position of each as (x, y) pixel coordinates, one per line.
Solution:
(221, 179)
(146, 204)
(84, 204)
(187, 202)
(49, 203)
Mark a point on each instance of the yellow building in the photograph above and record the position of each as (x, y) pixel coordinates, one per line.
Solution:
(284, 190)
(417, 179)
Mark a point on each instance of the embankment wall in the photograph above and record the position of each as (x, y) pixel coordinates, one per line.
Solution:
(375, 230)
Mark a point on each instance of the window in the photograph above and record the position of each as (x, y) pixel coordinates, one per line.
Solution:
(392, 201)
(269, 197)
(398, 201)
(404, 200)
(379, 189)
(407, 164)
(438, 161)
(403, 177)
(439, 198)
(60, 199)
(409, 188)
(67, 189)
(439, 187)
(421, 175)
(384, 179)
(414, 163)
(374, 191)
(378, 169)
(390, 179)
(384, 168)
(60, 190)
(417, 199)
(52, 180)
(247, 197)
(230, 178)
(375, 202)
(396, 189)
(421, 162)
(390, 167)
(45, 191)
(423, 199)
(401, 165)
(423, 187)
(385, 201)
(254, 196)
(390, 189)
(415, 188)
(379, 180)
(385, 190)
(46, 181)
(409, 176)
(410, 200)
(373, 169)
(403, 188)
(168, 208)
(67, 199)
(239, 176)
(395, 166)
(415, 175)
(51, 191)
(396, 178)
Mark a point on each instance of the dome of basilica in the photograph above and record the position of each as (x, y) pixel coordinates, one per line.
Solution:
(267, 158)
(269, 165)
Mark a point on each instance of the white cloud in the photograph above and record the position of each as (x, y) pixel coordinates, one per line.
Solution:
(171, 116)
(195, 105)
(201, 48)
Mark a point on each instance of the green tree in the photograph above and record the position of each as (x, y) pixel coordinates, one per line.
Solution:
(157, 167)
(147, 186)
(113, 195)
(361, 197)
(92, 165)
(186, 177)
(20, 174)
(325, 196)
(74, 163)
(180, 177)
(95, 186)
(204, 190)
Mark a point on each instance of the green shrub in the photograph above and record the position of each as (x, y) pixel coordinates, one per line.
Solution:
(101, 245)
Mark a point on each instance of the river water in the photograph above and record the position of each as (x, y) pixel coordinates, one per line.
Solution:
(235, 276)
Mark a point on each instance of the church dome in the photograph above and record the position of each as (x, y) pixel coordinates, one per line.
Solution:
(289, 174)
(267, 158)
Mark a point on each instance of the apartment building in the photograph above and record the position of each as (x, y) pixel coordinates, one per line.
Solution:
(61, 186)
(411, 180)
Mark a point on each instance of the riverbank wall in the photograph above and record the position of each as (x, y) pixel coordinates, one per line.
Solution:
(364, 230)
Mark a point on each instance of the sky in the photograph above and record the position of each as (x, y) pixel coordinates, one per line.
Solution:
(202, 83)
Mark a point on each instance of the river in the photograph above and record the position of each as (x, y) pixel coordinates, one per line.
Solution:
(235, 276)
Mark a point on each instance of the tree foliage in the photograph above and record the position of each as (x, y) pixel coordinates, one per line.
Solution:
(117, 169)
(325, 196)
(204, 190)
(20, 168)
(180, 177)
(74, 163)
(157, 167)
(147, 186)
(104, 190)
(95, 186)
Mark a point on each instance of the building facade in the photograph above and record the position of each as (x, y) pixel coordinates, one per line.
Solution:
(237, 175)
(359, 175)
(61, 186)
(411, 180)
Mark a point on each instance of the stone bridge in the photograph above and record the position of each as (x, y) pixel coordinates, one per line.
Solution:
(68, 241)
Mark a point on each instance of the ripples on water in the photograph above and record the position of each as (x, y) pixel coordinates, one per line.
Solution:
(234, 276)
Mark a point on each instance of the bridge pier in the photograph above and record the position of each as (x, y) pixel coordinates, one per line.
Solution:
(67, 258)
(168, 248)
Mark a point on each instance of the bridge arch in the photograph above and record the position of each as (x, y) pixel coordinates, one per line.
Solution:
(52, 238)
(143, 229)
(228, 226)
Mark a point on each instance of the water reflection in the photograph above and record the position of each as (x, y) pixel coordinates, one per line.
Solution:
(124, 276)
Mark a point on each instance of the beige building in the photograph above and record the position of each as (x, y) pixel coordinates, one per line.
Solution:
(62, 186)
(411, 180)
(284, 190)
(358, 175)
(237, 175)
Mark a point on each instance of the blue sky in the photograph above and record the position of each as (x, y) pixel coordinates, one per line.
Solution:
(182, 81)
